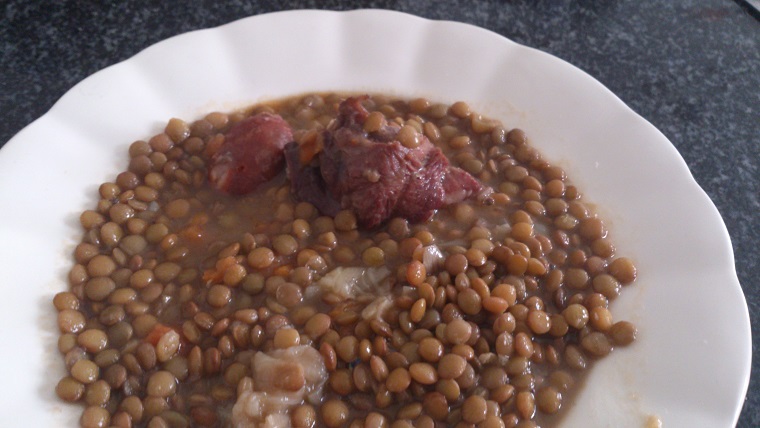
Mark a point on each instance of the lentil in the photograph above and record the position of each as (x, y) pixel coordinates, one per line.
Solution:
(173, 291)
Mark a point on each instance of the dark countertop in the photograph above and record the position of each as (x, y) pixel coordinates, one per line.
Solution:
(691, 67)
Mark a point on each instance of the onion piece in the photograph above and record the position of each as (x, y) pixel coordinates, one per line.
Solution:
(432, 258)
(376, 309)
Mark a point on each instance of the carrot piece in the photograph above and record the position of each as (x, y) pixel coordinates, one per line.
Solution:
(199, 219)
(282, 271)
(223, 264)
(217, 273)
(193, 233)
(156, 333)
(194, 230)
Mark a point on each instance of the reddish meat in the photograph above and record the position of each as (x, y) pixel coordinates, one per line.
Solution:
(307, 183)
(374, 175)
(252, 153)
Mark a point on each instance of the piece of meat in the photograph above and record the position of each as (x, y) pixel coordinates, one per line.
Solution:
(374, 175)
(307, 184)
(252, 153)
(369, 178)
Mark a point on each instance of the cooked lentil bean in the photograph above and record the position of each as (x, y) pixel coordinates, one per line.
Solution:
(95, 417)
(373, 256)
(596, 343)
(451, 366)
(93, 340)
(418, 310)
(576, 315)
(167, 346)
(423, 373)
(334, 413)
(474, 409)
(260, 258)
(623, 270)
(623, 333)
(69, 389)
(600, 318)
(85, 371)
(458, 331)
(162, 384)
(97, 393)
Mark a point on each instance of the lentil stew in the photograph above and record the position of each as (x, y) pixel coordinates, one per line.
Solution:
(188, 306)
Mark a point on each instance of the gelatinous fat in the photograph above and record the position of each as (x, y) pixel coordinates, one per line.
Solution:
(282, 379)
(356, 283)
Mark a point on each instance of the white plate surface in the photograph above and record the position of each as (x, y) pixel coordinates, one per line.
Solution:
(690, 366)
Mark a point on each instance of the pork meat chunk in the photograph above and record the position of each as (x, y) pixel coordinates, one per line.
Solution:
(373, 174)
(252, 153)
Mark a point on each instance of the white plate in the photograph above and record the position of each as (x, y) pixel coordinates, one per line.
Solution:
(691, 363)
